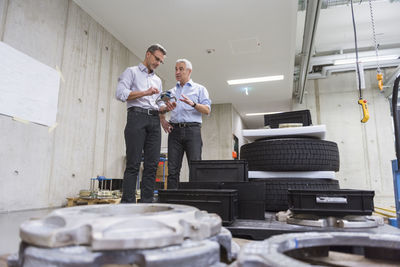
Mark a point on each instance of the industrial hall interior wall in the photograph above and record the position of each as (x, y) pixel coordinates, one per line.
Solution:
(38, 168)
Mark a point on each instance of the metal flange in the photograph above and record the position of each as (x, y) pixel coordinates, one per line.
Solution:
(119, 227)
(271, 252)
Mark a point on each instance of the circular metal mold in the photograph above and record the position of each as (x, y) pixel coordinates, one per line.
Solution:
(270, 252)
(189, 253)
(120, 227)
(341, 222)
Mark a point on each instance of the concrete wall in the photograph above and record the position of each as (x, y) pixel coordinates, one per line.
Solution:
(366, 150)
(217, 132)
(41, 168)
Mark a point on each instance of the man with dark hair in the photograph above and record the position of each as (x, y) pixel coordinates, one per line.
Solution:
(140, 87)
(184, 127)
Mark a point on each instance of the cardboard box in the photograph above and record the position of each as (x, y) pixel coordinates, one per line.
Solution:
(159, 173)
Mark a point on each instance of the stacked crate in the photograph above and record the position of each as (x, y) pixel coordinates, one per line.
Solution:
(222, 187)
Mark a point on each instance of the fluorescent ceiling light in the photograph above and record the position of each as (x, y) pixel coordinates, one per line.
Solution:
(364, 59)
(262, 113)
(256, 80)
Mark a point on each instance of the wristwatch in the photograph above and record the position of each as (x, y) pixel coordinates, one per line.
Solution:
(194, 104)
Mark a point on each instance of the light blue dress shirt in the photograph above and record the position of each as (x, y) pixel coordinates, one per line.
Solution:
(135, 79)
(184, 112)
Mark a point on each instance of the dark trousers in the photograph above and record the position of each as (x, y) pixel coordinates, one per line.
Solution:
(180, 140)
(142, 133)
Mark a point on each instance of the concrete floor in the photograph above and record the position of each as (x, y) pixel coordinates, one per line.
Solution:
(9, 228)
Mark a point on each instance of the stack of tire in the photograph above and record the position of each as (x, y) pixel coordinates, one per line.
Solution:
(291, 154)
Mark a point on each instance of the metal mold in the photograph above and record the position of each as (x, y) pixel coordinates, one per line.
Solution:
(271, 252)
(338, 222)
(141, 234)
(276, 225)
(125, 226)
(189, 253)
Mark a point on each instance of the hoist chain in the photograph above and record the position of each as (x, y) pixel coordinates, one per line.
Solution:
(374, 35)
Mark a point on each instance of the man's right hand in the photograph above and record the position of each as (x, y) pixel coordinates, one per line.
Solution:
(166, 126)
(151, 91)
(138, 94)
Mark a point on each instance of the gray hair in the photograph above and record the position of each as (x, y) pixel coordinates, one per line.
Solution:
(187, 63)
(155, 47)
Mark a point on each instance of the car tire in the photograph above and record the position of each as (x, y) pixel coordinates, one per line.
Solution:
(291, 154)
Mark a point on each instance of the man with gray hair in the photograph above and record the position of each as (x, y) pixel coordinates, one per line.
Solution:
(184, 127)
(140, 87)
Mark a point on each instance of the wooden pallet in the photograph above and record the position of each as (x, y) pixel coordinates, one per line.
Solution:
(76, 201)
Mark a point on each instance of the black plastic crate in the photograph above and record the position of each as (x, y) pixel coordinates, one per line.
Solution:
(251, 196)
(199, 185)
(222, 202)
(251, 199)
(218, 171)
(276, 189)
(334, 202)
(299, 116)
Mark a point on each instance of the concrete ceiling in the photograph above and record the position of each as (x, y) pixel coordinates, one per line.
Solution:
(247, 38)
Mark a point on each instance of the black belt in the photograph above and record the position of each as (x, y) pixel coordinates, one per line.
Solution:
(151, 112)
(185, 124)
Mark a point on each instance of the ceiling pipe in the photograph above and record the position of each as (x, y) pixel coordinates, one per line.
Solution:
(333, 3)
(327, 70)
(326, 60)
(330, 68)
(310, 28)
